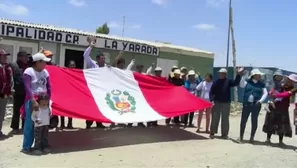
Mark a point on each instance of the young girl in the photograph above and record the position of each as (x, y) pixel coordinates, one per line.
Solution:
(41, 119)
(204, 87)
(278, 121)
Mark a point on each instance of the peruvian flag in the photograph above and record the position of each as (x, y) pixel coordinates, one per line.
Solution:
(113, 95)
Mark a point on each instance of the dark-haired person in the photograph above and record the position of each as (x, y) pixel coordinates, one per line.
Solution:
(71, 64)
(204, 88)
(6, 86)
(18, 69)
(36, 81)
(100, 62)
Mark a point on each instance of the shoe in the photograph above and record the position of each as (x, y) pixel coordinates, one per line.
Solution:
(268, 142)
(239, 140)
(62, 126)
(211, 136)
(130, 125)
(225, 136)
(281, 144)
(252, 141)
(198, 130)
(69, 126)
(141, 125)
(100, 126)
(88, 127)
(26, 151)
(46, 150)
(191, 125)
(37, 152)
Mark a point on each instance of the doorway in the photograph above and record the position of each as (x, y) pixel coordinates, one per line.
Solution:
(76, 56)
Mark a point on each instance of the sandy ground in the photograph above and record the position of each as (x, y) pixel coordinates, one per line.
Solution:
(151, 148)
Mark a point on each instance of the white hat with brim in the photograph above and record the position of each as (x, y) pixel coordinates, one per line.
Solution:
(191, 72)
(223, 70)
(177, 71)
(256, 72)
(158, 69)
(40, 57)
(174, 67)
(292, 77)
(183, 68)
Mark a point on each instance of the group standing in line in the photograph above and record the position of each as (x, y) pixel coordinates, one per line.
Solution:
(28, 80)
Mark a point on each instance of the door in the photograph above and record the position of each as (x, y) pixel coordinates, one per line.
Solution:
(166, 65)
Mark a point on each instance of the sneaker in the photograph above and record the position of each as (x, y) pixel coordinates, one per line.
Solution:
(191, 125)
(26, 151)
(252, 141)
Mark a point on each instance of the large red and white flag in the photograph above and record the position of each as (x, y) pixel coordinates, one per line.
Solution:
(114, 95)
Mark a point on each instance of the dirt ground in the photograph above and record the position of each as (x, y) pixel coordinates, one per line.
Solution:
(150, 147)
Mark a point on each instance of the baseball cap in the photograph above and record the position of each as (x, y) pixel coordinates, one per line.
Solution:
(2, 52)
(158, 69)
(40, 57)
(22, 53)
(223, 70)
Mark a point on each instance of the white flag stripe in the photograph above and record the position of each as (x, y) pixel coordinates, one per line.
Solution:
(113, 79)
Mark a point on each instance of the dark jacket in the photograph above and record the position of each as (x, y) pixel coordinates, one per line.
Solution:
(18, 68)
(177, 81)
(221, 89)
(5, 80)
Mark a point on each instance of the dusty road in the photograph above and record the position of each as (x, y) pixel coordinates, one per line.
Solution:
(151, 148)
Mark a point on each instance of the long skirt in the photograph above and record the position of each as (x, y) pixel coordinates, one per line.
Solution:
(28, 127)
(278, 122)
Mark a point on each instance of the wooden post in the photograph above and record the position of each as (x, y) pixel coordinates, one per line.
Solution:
(234, 54)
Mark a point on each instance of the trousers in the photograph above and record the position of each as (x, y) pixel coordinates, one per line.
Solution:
(18, 101)
(3, 103)
(247, 109)
(220, 109)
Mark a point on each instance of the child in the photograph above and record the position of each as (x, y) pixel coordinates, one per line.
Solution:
(41, 119)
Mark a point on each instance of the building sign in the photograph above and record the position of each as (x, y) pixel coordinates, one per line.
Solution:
(70, 38)
(129, 47)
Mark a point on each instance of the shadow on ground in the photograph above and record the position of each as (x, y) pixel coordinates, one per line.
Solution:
(79, 140)
(273, 145)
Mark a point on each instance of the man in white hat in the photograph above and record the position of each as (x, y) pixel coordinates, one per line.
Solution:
(177, 81)
(220, 94)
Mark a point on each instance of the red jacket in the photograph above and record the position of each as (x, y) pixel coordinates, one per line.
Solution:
(5, 80)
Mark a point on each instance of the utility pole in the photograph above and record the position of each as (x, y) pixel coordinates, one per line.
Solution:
(123, 28)
(228, 41)
(233, 53)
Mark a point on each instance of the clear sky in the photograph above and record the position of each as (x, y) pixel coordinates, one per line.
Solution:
(265, 30)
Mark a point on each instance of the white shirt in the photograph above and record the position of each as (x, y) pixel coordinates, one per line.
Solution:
(38, 80)
(205, 89)
(42, 116)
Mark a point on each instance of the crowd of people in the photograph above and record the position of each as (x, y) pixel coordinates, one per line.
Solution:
(27, 81)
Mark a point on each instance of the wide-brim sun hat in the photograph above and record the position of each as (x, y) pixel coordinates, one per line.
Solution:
(292, 77)
(177, 71)
(256, 72)
(158, 69)
(40, 57)
(191, 72)
(223, 70)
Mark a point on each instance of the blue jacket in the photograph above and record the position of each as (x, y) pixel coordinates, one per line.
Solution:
(192, 88)
(254, 89)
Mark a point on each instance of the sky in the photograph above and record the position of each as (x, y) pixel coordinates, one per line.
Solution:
(265, 30)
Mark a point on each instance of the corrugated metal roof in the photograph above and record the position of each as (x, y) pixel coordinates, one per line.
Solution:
(80, 32)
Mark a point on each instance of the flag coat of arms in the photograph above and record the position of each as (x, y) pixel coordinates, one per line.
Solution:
(114, 95)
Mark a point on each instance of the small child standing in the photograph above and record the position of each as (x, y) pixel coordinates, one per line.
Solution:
(41, 119)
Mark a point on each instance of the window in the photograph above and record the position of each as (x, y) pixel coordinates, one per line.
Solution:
(8, 49)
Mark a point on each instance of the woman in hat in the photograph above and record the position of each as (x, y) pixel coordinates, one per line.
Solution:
(254, 95)
(277, 120)
(171, 74)
(36, 81)
(204, 87)
(190, 84)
